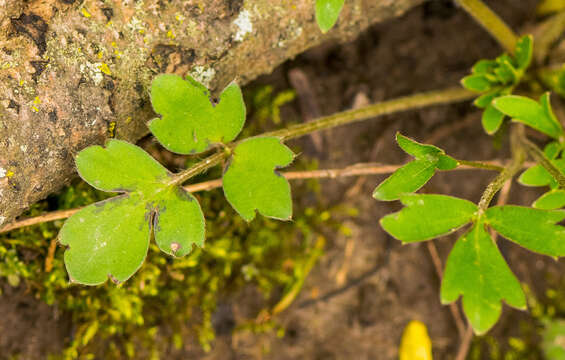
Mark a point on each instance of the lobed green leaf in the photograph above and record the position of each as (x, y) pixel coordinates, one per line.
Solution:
(189, 122)
(476, 270)
(251, 183)
(425, 217)
(534, 229)
(120, 166)
(178, 223)
(106, 239)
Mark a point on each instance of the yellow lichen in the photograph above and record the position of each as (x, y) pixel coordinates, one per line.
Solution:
(85, 13)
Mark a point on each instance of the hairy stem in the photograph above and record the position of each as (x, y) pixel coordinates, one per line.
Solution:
(491, 22)
(541, 159)
(481, 165)
(518, 158)
(405, 103)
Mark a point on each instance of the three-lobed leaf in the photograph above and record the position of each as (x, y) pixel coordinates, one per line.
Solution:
(534, 229)
(251, 182)
(189, 122)
(425, 217)
(415, 174)
(476, 270)
(111, 238)
(327, 13)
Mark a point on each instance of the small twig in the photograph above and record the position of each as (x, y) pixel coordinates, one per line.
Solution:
(465, 344)
(453, 306)
(50, 255)
(491, 22)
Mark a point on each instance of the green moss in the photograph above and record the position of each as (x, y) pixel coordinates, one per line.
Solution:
(167, 298)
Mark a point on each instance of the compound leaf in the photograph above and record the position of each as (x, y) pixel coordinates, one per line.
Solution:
(110, 238)
(529, 112)
(533, 229)
(327, 12)
(120, 166)
(484, 66)
(106, 239)
(551, 200)
(425, 217)
(406, 179)
(492, 119)
(251, 182)
(189, 122)
(178, 223)
(476, 270)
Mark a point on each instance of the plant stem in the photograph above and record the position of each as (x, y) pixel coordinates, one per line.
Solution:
(491, 22)
(518, 158)
(540, 158)
(353, 170)
(481, 165)
(371, 111)
(198, 168)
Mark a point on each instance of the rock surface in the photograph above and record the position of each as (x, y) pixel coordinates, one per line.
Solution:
(73, 73)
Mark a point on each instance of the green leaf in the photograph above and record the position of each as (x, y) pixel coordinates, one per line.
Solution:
(552, 150)
(406, 179)
(535, 176)
(551, 200)
(106, 239)
(506, 73)
(483, 66)
(446, 162)
(251, 182)
(477, 83)
(327, 12)
(524, 51)
(120, 166)
(546, 105)
(529, 112)
(492, 119)
(111, 238)
(484, 100)
(189, 122)
(178, 223)
(533, 229)
(425, 217)
(476, 270)
(416, 149)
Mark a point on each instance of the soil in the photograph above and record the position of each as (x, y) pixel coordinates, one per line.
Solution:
(355, 306)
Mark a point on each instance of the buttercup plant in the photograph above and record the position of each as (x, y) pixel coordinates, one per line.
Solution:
(111, 238)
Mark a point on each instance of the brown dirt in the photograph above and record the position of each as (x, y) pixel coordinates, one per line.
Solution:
(386, 284)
